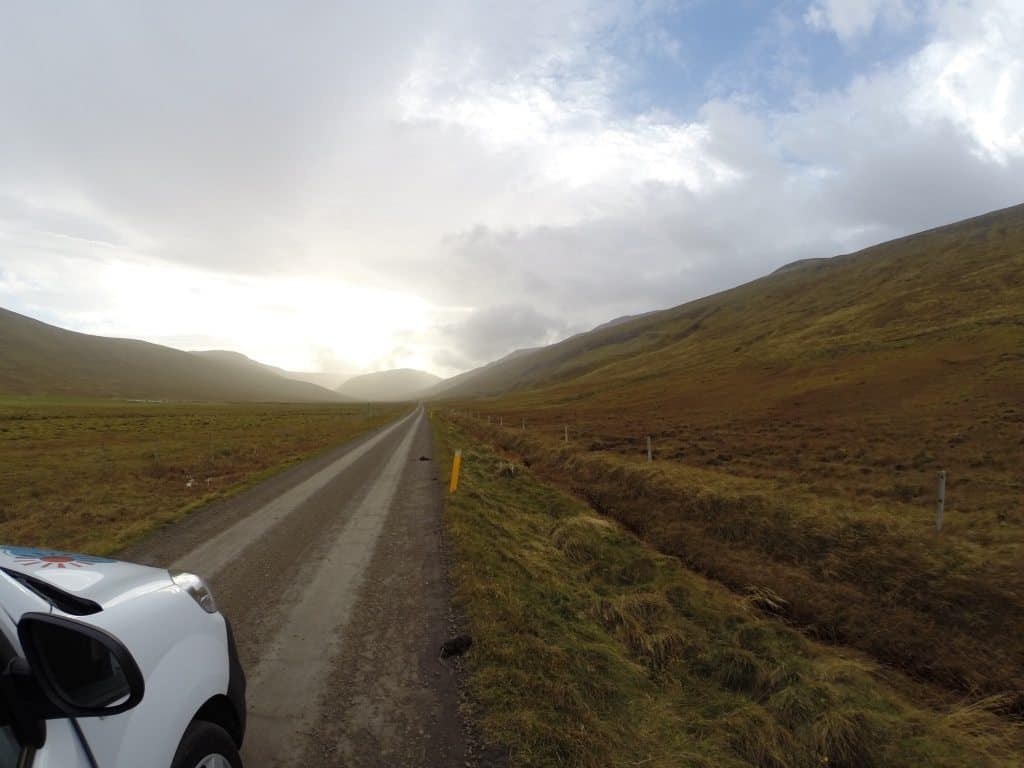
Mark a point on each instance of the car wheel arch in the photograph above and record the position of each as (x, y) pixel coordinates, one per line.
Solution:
(220, 711)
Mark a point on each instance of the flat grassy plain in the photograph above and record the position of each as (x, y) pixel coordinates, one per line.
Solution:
(593, 649)
(799, 423)
(873, 575)
(92, 476)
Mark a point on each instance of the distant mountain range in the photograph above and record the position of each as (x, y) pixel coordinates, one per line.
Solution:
(44, 360)
(792, 311)
(398, 385)
(41, 359)
(325, 380)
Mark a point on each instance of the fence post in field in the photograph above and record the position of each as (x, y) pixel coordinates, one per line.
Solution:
(501, 421)
(567, 433)
(524, 425)
(650, 455)
(940, 506)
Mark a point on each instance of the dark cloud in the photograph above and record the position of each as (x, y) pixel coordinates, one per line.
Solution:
(924, 179)
(494, 331)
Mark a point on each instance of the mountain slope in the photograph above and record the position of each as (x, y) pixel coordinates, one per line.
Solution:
(41, 359)
(328, 380)
(483, 379)
(462, 383)
(245, 365)
(397, 385)
(954, 291)
(799, 427)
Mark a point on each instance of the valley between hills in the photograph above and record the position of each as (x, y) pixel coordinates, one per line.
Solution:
(770, 589)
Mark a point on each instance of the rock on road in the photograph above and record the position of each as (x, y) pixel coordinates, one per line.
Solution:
(333, 576)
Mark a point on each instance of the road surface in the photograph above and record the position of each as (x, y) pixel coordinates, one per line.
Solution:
(333, 577)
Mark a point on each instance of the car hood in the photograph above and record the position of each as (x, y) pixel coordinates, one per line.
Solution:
(98, 579)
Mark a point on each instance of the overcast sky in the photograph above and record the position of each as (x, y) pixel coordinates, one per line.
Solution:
(356, 186)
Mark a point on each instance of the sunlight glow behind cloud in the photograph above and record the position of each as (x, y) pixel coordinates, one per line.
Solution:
(292, 321)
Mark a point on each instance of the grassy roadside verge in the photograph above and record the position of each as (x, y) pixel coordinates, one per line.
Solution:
(942, 608)
(593, 650)
(95, 475)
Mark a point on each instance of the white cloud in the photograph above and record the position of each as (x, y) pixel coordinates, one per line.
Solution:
(564, 115)
(850, 19)
(395, 183)
(968, 77)
(973, 75)
(574, 140)
(891, 154)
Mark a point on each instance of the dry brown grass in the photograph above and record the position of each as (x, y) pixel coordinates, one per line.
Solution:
(945, 608)
(92, 476)
(592, 649)
(799, 423)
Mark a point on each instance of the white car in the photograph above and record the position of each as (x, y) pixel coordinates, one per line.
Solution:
(107, 664)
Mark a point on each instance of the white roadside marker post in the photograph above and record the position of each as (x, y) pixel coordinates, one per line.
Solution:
(567, 433)
(940, 507)
(650, 455)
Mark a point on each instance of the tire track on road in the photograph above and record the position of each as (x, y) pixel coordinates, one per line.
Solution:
(291, 675)
(209, 558)
(289, 567)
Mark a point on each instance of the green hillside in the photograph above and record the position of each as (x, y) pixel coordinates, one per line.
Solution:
(42, 360)
(798, 426)
(948, 303)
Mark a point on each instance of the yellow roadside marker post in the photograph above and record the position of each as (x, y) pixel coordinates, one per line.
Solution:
(456, 466)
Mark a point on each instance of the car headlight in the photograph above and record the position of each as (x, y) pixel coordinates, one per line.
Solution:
(197, 588)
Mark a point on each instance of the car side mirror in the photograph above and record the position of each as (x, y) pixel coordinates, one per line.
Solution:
(80, 670)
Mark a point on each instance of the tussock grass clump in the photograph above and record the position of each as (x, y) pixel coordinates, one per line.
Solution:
(638, 620)
(637, 610)
(734, 668)
(976, 717)
(847, 738)
(767, 600)
(576, 539)
(575, 665)
(764, 638)
(798, 704)
(657, 649)
(760, 741)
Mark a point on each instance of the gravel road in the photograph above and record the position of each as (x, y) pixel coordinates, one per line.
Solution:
(333, 577)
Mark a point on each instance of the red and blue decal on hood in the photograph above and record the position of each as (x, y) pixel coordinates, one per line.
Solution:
(27, 557)
(100, 579)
